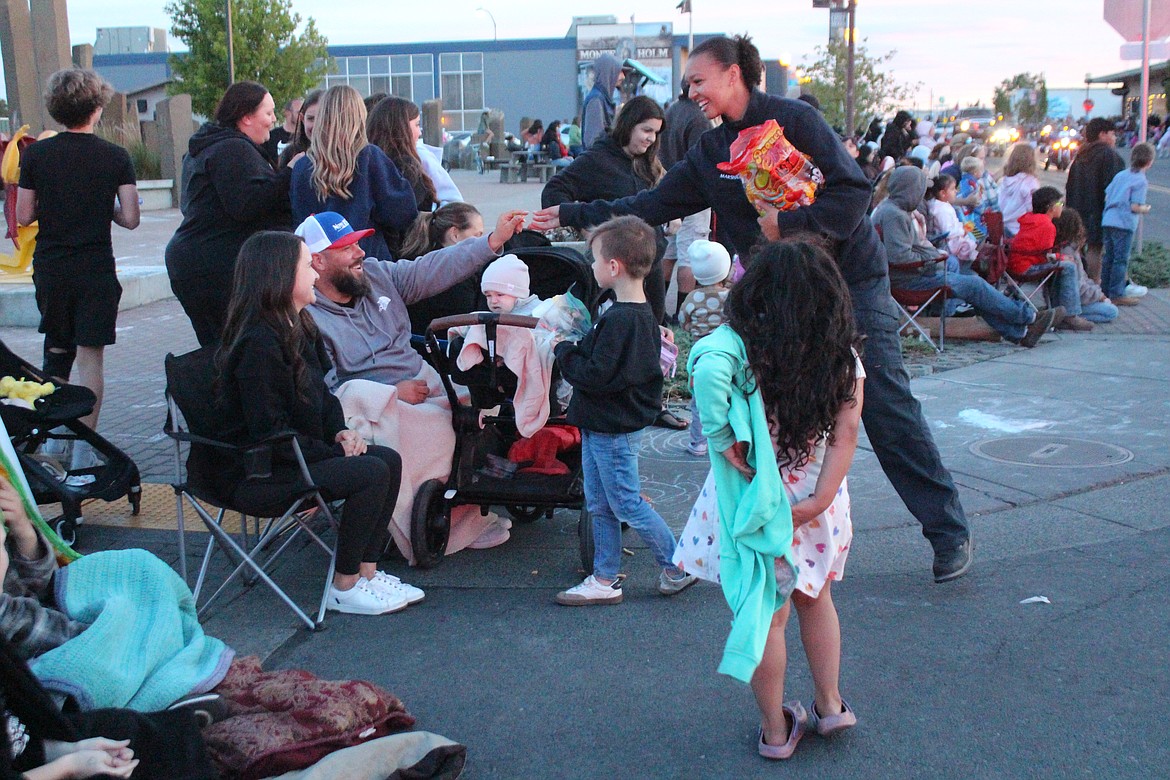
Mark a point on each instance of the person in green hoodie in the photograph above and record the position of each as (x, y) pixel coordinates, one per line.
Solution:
(779, 392)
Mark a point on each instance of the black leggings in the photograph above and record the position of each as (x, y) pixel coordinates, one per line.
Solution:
(205, 302)
(369, 486)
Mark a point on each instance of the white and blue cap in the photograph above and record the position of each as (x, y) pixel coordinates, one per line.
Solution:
(329, 230)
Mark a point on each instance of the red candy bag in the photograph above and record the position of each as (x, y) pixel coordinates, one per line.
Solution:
(773, 170)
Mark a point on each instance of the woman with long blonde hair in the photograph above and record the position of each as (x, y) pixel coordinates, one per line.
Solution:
(343, 172)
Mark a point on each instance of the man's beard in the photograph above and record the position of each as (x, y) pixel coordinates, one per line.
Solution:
(353, 285)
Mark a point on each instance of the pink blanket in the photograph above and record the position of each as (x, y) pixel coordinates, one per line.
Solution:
(529, 358)
(423, 435)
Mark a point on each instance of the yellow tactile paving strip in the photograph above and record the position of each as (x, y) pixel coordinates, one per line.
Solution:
(158, 512)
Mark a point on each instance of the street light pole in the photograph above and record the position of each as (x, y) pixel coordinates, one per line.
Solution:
(851, 32)
(495, 35)
(230, 48)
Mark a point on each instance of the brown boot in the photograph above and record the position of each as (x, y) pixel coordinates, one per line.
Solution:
(1125, 301)
(1075, 322)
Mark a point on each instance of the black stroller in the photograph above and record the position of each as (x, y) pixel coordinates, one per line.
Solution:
(31, 429)
(473, 481)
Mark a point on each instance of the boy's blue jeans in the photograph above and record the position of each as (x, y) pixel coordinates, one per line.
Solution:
(1115, 260)
(613, 494)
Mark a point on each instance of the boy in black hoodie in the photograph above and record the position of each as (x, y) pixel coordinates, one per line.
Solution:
(617, 388)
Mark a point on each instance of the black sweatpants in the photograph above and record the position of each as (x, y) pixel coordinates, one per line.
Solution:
(369, 486)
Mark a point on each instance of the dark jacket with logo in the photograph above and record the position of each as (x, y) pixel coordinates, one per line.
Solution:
(839, 213)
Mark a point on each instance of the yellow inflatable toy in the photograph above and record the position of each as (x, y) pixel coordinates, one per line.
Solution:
(16, 266)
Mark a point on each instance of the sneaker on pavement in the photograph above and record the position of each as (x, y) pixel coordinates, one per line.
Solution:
(1077, 323)
(1040, 326)
(493, 535)
(952, 564)
(668, 586)
(698, 450)
(363, 599)
(389, 583)
(590, 592)
(1135, 290)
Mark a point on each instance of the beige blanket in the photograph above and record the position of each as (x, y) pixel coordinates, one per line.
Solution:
(422, 434)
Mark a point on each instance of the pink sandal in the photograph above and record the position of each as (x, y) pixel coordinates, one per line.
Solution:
(828, 725)
(799, 722)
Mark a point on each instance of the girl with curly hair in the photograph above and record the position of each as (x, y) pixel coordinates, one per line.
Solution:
(344, 173)
(779, 391)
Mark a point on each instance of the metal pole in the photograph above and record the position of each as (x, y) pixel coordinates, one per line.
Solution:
(690, 29)
(230, 47)
(1145, 112)
(851, 32)
(495, 35)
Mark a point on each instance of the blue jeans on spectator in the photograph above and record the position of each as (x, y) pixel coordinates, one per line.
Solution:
(1009, 318)
(1100, 311)
(894, 424)
(613, 495)
(1115, 260)
(696, 427)
(1065, 288)
(561, 162)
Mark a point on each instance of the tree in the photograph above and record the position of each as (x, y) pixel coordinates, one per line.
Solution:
(266, 46)
(1024, 95)
(875, 92)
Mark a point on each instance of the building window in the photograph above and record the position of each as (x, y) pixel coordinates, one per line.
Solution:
(402, 75)
(140, 104)
(461, 88)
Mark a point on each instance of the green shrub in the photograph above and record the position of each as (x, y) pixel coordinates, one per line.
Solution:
(1151, 266)
(147, 162)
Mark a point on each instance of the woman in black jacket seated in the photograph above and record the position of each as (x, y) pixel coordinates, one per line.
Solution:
(230, 191)
(272, 367)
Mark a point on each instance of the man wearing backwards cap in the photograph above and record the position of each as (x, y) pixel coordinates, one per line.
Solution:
(361, 313)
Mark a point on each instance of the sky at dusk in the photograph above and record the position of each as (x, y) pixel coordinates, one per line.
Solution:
(958, 52)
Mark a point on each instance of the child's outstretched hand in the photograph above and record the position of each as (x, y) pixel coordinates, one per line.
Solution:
(767, 221)
(509, 224)
(736, 455)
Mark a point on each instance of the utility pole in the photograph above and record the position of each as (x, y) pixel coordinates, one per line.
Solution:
(230, 48)
(851, 32)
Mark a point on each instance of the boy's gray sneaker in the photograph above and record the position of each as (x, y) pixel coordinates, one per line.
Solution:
(668, 586)
(952, 564)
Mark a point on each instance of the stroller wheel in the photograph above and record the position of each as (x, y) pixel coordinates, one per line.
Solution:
(585, 539)
(430, 525)
(67, 530)
(525, 514)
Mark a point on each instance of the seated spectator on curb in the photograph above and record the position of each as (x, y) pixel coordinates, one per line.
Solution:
(905, 242)
(1070, 242)
(272, 365)
(1016, 188)
(1035, 246)
(391, 396)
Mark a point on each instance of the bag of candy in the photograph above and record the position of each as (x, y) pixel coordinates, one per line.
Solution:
(773, 170)
(564, 316)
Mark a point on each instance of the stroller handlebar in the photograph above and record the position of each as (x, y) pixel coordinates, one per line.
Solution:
(443, 324)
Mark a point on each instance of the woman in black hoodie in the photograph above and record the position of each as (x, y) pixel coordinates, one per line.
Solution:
(230, 191)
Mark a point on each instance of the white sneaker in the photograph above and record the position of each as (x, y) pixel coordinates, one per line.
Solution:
(389, 583)
(493, 536)
(1135, 290)
(362, 599)
(591, 592)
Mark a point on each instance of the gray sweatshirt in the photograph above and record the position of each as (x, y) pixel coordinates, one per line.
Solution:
(371, 338)
(894, 222)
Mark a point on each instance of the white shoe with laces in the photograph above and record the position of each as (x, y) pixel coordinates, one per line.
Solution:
(591, 591)
(1135, 290)
(388, 583)
(363, 599)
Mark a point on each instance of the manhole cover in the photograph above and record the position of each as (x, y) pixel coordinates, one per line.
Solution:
(1054, 452)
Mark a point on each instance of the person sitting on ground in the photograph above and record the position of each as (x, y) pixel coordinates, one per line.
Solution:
(905, 243)
(382, 382)
(1016, 188)
(446, 226)
(702, 312)
(1070, 242)
(1034, 247)
(69, 183)
(272, 366)
(943, 220)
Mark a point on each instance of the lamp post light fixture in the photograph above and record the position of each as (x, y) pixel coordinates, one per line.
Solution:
(495, 34)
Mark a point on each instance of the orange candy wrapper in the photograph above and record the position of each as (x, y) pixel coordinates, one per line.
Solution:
(773, 170)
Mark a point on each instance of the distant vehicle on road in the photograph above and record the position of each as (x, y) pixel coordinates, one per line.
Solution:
(974, 121)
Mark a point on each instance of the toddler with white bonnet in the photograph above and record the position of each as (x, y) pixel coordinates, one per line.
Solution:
(702, 312)
(505, 286)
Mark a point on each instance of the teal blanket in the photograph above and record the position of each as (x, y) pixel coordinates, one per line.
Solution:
(144, 648)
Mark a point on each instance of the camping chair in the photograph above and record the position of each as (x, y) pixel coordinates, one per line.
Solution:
(192, 418)
(1041, 274)
(911, 303)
